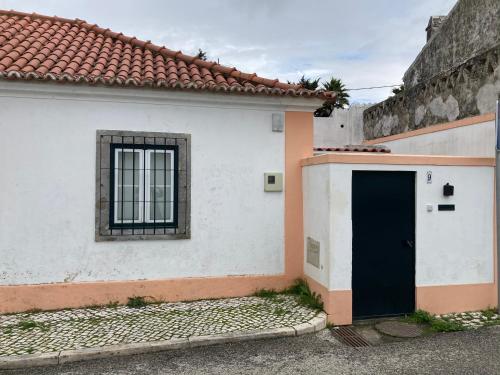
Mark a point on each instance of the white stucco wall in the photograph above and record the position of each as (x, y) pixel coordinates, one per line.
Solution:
(317, 214)
(471, 140)
(343, 127)
(47, 159)
(452, 247)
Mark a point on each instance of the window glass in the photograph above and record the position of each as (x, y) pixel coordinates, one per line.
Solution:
(161, 172)
(128, 185)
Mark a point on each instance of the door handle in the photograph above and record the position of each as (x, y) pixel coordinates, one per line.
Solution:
(409, 243)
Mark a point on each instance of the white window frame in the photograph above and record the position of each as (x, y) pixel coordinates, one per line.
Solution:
(144, 210)
(141, 186)
(148, 182)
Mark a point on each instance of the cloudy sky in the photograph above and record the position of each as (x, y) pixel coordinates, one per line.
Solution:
(364, 42)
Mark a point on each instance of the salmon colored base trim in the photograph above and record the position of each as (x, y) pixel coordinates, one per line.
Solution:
(71, 295)
(434, 128)
(434, 299)
(337, 303)
(446, 299)
(397, 159)
(298, 145)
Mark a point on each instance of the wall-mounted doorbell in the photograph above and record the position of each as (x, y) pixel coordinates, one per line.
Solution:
(273, 181)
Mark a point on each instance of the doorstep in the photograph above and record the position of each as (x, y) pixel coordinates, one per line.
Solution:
(83, 334)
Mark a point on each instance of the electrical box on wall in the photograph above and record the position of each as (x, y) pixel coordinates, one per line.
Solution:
(278, 122)
(273, 181)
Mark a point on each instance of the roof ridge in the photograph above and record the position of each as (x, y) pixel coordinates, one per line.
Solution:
(162, 50)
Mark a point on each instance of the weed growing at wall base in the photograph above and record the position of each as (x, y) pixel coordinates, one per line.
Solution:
(136, 302)
(266, 293)
(436, 324)
(300, 289)
(306, 297)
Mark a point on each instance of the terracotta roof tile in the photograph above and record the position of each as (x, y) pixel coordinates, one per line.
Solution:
(354, 148)
(34, 46)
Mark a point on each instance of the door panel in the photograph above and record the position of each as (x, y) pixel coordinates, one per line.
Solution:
(383, 248)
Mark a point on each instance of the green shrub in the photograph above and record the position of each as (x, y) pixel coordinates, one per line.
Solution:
(136, 302)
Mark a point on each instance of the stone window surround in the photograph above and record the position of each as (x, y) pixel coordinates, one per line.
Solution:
(104, 138)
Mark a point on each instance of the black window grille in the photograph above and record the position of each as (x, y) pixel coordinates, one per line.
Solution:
(143, 188)
(143, 185)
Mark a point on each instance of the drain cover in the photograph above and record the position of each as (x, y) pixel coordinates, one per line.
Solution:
(350, 337)
(399, 329)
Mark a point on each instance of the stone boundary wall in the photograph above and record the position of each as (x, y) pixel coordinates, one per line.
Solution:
(471, 28)
(470, 89)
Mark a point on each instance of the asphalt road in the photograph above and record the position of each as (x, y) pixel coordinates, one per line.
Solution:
(476, 352)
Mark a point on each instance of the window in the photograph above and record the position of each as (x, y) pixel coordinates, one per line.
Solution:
(143, 185)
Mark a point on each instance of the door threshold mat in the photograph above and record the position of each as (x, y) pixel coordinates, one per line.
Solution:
(350, 337)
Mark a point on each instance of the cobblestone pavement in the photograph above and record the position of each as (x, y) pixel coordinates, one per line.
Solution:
(472, 320)
(43, 332)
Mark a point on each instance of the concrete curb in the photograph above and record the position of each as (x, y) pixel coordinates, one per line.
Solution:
(66, 356)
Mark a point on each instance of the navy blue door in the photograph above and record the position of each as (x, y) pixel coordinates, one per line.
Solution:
(383, 246)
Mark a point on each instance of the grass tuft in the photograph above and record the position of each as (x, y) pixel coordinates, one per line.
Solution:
(306, 297)
(112, 304)
(266, 293)
(279, 311)
(435, 324)
(490, 313)
(136, 302)
(440, 325)
(31, 324)
(420, 317)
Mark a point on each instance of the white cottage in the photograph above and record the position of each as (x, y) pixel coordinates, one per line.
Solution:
(130, 169)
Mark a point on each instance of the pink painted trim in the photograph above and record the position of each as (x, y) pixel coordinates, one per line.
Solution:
(337, 303)
(444, 299)
(298, 145)
(18, 298)
(397, 159)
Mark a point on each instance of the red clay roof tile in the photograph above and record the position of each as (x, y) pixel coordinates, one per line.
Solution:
(354, 148)
(34, 46)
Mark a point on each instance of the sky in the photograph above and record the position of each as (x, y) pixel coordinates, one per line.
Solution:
(365, 43)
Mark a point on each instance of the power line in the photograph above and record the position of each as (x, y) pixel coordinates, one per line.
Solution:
(373, 87)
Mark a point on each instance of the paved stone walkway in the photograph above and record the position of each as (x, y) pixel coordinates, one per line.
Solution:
(95, 327)
(472, 320)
